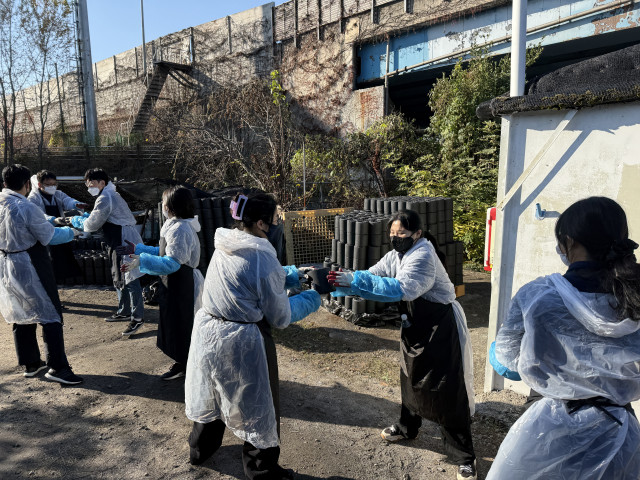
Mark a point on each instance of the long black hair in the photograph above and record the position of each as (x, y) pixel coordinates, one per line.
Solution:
(259, 206)
(411, 221)
(599, 224)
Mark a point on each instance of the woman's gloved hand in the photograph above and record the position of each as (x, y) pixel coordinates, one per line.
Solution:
(78, 222)
(340, 278)
(132, 264)
(303, 271)
(128, 249)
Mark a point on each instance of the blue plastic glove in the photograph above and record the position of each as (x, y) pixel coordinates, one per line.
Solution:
(372, 287)
(78, 221)
(342, 292)
(293, 279)
(501, 369)
(304, 304)
(142, 248)
(61, 235)
(51, 219)
(154, 265)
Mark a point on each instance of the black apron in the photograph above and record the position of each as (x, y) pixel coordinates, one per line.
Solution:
(64, 262)
(434, 386)
(175, 300)
(113, 238)
(272, 363)
(42, 264)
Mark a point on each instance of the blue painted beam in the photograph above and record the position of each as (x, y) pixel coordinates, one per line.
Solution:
(407, 50)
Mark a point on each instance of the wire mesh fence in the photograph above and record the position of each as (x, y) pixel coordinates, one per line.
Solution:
(308, 234)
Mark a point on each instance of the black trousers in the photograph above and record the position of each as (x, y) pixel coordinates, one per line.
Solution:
(458, 443)
(24, 337)
(259, 464)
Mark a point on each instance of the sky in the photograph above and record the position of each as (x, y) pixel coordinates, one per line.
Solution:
(115, 25)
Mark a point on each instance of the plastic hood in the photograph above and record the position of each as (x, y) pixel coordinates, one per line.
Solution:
(593, 311)
(233, 240)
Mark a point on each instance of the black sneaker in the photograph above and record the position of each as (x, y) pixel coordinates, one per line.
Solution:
(177, 370)
(64, 376)
(33, 370)
(116, 317)
(392, 434)
(467, 471)
(133, 327)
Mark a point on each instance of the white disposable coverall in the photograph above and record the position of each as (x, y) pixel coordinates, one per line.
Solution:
(23, 299)
(111, 207)
(569, 345)
(227, 375)
(420, 273)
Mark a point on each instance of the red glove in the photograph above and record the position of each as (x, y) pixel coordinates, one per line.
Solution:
(128, 249)
(340, 278)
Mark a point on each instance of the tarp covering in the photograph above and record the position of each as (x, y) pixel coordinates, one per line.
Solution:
(610, 78)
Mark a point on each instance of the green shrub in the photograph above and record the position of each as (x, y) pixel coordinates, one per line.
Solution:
(462, 151)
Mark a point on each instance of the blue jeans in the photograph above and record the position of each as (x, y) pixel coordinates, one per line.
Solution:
(130, 300)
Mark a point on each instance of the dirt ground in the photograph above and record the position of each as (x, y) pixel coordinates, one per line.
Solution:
(339, 387)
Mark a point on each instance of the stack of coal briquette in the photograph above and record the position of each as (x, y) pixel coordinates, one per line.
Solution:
(92, 258)
(362, 238)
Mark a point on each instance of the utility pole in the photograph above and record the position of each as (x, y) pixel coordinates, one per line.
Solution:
(144, 45)
(85, 72)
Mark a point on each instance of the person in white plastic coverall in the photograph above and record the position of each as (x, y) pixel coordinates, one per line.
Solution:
(176, 262)
(45, 194)
(437, 371)
(112, 214)
(232, 371)
(575, 339)
(53, 202)
(28, 292)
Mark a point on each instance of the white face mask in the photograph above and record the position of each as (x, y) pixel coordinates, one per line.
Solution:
(93, 191)
(563, 257)
(165, 214)
(50, 189)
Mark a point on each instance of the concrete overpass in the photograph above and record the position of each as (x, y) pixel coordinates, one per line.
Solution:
(568, 31)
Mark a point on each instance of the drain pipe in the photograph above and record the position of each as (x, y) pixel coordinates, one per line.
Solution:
(518, 47)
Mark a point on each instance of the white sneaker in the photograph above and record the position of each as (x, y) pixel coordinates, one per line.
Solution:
(392, 434)
(467, 471)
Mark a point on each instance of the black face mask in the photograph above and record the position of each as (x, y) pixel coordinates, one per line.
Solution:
(274, 235)
(402, 244)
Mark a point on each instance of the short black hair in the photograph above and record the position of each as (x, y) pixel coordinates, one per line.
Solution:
(179, 201)
(15, 176)
(43, 175)
(96, 174)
